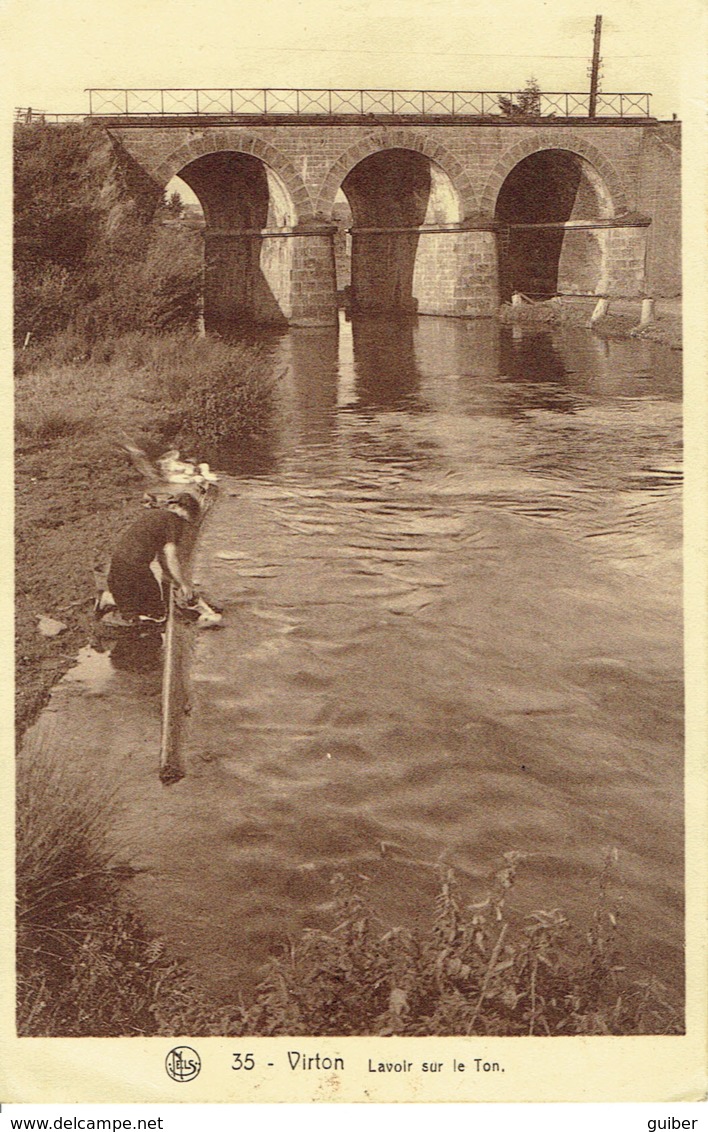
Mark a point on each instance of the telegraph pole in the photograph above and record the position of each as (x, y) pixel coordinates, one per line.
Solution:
(595, 67)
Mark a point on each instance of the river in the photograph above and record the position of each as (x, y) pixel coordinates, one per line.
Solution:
(452, 592)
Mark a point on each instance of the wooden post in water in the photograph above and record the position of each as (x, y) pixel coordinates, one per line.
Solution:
(174, 680)
(171, 769)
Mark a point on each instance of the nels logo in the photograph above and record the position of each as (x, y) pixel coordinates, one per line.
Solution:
(183, 1063)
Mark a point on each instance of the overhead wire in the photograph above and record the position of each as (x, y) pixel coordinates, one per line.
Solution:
(448, 54)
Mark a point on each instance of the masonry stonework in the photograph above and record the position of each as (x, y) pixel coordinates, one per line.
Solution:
(454, 272)
(659, 196)
(314, 279)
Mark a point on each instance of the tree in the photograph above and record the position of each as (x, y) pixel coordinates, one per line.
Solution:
(174, 207)
(87, 251)
(527, 104)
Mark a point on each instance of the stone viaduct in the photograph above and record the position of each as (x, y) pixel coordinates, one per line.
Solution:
(448, 217)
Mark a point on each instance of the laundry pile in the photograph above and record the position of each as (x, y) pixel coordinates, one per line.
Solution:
(170, 468)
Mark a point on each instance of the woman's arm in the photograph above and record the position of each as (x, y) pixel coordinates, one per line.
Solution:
(175, 569)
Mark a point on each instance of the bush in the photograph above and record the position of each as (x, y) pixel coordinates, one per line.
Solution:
(79, 228)
(90, 252)
(477, 970)
(44, 301)
(234, 401)
(204, 394)
(225, 391)
(172, 280)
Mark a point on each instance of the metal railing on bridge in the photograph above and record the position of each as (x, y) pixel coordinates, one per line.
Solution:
(28, 116)
(271, 101)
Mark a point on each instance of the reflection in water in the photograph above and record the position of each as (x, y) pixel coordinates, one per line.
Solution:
(313, 357)
(585, 363)
(452, 628)
(135, 652)
(385, 363)
(459, 346)
(532, 357)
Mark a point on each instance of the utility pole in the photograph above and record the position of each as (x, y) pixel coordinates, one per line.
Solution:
(595, 67)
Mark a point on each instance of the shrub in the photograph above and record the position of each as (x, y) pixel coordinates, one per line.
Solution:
(172, 280)
(79, 228)
(204, 393)
(235, 401)
(477, 970)
(88, 252)
(226, 391)
(44, 301)
(136, 350)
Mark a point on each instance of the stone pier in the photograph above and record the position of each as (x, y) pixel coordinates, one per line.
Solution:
(277, 278)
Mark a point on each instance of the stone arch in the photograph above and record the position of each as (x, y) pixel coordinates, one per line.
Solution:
(254, 250)
(215, 141)
(396, 139)
(523, 148)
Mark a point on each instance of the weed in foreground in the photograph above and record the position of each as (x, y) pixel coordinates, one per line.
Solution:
(477, 970)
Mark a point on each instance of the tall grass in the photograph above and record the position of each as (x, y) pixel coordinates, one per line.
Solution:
(227, 390)
(85, 965)
(218, 393)
(211, 392)
(53, 403)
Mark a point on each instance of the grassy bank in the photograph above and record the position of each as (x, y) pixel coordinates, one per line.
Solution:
(75, 487)
(86, 965)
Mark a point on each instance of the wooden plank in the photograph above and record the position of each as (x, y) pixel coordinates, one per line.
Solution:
(173, 697)
(174, 678)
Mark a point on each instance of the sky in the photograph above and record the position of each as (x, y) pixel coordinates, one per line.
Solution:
(55, 50)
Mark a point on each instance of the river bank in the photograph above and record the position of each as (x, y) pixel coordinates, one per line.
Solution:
(73, 491)
(75, 486)
(621, 321)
